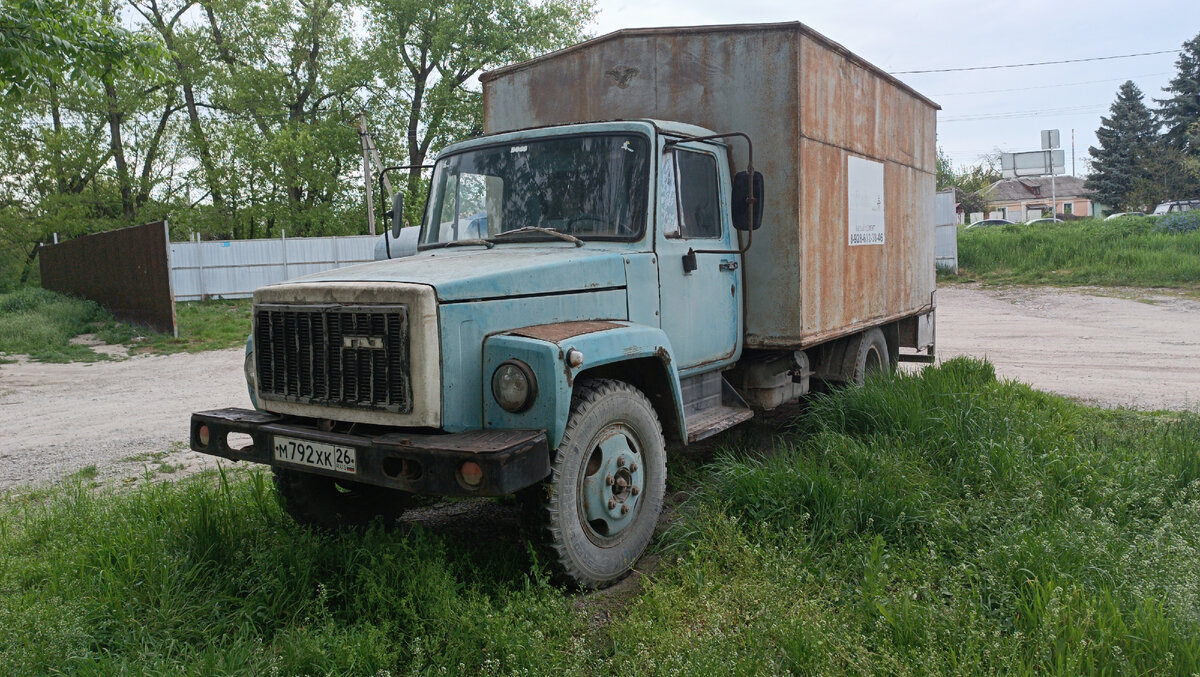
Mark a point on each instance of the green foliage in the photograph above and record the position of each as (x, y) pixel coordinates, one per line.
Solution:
(970, 183)
(238, 118)
(1123, 163)
(52, 40)
(1182, 109)
(1180, 222)
(1130, 251)
(941, 522)
(41, 324)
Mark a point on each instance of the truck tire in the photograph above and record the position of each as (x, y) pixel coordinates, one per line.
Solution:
(332, 504)
(607, 483)
(872, 356)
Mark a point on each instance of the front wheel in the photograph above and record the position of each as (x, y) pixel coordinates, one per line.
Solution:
(607, 483)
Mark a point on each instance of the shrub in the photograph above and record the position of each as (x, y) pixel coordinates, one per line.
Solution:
(1180, 222)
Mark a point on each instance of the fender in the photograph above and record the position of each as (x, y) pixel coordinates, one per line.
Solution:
(544, 348)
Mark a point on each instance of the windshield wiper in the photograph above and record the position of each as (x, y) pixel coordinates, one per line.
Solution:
(459, 243)
(539, 229)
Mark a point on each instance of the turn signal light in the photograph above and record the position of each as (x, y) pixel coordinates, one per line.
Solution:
(203, 435)
(472, 474)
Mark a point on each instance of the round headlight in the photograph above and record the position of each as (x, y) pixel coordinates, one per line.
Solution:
(514, 386)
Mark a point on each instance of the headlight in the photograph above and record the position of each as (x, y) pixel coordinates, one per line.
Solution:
(514, 386)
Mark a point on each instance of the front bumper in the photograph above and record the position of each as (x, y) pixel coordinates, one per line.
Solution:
(417, 463)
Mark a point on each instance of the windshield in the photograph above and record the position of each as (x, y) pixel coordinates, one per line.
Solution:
(591, 187)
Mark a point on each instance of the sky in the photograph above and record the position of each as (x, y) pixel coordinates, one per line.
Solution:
(983, 110)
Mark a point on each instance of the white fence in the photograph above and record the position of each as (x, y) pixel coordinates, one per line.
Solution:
(235, 268)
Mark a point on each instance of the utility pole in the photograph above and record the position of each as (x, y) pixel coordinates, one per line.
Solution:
(371, 154)
(1072, 151)
(363, 135)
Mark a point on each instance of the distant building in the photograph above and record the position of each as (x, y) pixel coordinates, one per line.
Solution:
(1028, 198)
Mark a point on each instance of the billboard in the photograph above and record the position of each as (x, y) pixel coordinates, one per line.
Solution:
(1032, 163)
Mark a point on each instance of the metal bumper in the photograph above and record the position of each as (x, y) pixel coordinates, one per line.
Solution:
(417, 463)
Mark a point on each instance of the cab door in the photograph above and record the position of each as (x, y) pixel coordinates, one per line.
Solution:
(700, 293)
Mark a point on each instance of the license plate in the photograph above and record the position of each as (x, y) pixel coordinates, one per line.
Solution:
(316, 454)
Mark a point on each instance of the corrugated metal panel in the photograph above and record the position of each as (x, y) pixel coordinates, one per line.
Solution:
(124, 270)
(808, 104)
(947, 230)
(235, 268)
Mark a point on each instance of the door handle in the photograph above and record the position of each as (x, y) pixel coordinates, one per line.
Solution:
(729, 265)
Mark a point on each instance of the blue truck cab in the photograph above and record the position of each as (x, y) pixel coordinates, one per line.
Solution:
(576, 305)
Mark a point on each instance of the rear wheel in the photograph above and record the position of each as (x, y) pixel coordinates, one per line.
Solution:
(872, 356)
(331, 503)
(607, 484)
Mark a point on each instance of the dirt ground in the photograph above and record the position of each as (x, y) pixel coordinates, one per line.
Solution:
(129, 418)
(1107, 347)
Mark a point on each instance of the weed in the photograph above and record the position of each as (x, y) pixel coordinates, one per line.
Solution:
(943, 522)
(1130, 251)
(41, 324)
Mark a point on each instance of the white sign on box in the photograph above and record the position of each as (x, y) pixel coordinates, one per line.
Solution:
(864, 201)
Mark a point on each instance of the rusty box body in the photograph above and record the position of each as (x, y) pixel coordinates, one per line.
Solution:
(848, 154)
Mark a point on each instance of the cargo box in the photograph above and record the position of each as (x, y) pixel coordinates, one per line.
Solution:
(847, 151)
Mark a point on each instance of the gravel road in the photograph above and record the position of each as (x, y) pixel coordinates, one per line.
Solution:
(129, 418)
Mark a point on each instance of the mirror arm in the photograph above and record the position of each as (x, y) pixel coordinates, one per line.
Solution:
(384, 197)
(742, 249)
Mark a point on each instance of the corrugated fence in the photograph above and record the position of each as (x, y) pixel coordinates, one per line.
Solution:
(235, 268)
(123, 270)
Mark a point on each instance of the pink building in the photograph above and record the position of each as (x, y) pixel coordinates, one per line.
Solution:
(1028, 198)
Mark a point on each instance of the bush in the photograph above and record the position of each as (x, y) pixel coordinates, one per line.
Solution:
(1180, 222)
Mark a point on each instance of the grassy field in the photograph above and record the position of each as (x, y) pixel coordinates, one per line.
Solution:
(41, 324)
(1122, 252)
(940, 523)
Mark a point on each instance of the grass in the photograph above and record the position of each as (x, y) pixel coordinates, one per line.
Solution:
(1123, 252)
(41, 323)
(936, 523)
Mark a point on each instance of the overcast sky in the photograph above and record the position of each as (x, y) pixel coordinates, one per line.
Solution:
(981, 110)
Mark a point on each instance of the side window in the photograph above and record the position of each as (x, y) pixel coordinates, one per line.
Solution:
(699, 194)
(668, 198)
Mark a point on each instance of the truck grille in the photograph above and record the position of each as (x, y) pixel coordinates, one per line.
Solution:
(343, 356)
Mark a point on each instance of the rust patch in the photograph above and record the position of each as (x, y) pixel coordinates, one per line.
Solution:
(662, 354)
(560, 331)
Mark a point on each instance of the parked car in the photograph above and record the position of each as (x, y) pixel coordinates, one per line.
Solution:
(1039, 222)
(991, 222)
(1176, 206)
(1120, 214)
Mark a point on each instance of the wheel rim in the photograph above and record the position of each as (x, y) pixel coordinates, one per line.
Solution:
(611, 483)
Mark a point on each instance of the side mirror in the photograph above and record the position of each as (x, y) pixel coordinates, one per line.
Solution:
(741, 202)
(397, 214)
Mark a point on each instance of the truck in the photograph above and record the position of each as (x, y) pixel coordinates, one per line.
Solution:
(660, 233)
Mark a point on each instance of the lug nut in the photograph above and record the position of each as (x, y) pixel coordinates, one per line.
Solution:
(633, 467)
(624, 510)
(612, 503)
(608, 480)
(635, 491)
(620, 461)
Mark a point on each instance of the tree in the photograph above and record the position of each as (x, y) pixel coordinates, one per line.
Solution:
(46, 40)
(970, 183)
(1127, 152)
(1182, 109)
(434, 48)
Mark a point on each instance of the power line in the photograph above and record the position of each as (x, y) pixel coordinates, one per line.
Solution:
(1054, 86)
(1036, 63)
(1004, 115)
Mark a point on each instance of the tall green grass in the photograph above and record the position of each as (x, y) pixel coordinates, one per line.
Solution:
(41, 323)
(1123, 252)
(936, 523)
